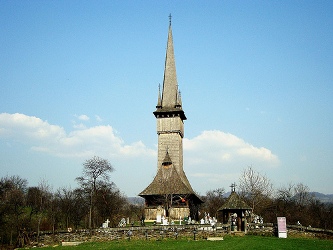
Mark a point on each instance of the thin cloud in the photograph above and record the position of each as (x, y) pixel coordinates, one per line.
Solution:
(82, 117)
(98, 118)
(79, 126)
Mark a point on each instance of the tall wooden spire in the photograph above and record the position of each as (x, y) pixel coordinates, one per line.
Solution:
(170, 85)
(170, 100)
(170, 180)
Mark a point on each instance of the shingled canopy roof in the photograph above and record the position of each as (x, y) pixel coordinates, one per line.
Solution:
(234, 202)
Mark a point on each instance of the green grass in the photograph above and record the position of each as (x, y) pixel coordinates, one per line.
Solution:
(231, 243)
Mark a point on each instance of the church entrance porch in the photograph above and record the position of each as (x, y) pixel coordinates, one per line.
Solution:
(172, 214)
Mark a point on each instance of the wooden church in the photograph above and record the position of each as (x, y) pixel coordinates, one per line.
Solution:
(170, 194)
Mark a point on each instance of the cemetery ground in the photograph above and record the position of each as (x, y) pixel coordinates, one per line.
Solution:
(229, 242)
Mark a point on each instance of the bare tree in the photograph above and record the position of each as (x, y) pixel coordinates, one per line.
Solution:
(95, 171)
(285, 194)
(12, 208)
(214, 199)
(297, 203)
(284, 200)
(111, 203)
(80, 206)
(44, 200)
(302, 195)
(256, 188)
(297, 193)
(66, 198)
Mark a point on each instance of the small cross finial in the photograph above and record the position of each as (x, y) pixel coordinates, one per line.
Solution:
(170, 19)
(233, 187)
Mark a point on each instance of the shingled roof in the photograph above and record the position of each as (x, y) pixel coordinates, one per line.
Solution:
(168, 181)
(234, 202)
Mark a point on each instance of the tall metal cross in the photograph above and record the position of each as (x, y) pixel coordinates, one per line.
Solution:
(170, 19)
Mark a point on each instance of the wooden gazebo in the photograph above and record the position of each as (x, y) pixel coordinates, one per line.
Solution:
(234, 211)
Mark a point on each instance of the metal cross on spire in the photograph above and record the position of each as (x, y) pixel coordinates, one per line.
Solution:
(233, 187)
(170, 19)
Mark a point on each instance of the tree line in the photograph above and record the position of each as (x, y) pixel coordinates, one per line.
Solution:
(294, 201)
(26, 211)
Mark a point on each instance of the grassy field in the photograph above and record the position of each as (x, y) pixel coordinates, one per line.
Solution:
(231, 243)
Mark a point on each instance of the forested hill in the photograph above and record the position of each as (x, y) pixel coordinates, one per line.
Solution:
(325, 198)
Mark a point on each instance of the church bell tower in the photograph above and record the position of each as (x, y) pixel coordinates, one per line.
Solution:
(170, 191)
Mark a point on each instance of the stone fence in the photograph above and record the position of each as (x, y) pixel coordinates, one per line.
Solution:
(133, 233)
(270, 229)
(190, 232)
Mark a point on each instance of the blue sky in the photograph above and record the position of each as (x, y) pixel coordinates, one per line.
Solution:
(80, 78)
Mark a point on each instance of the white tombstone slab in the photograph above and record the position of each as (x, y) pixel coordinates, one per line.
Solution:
(165, 221)
(158, 218)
